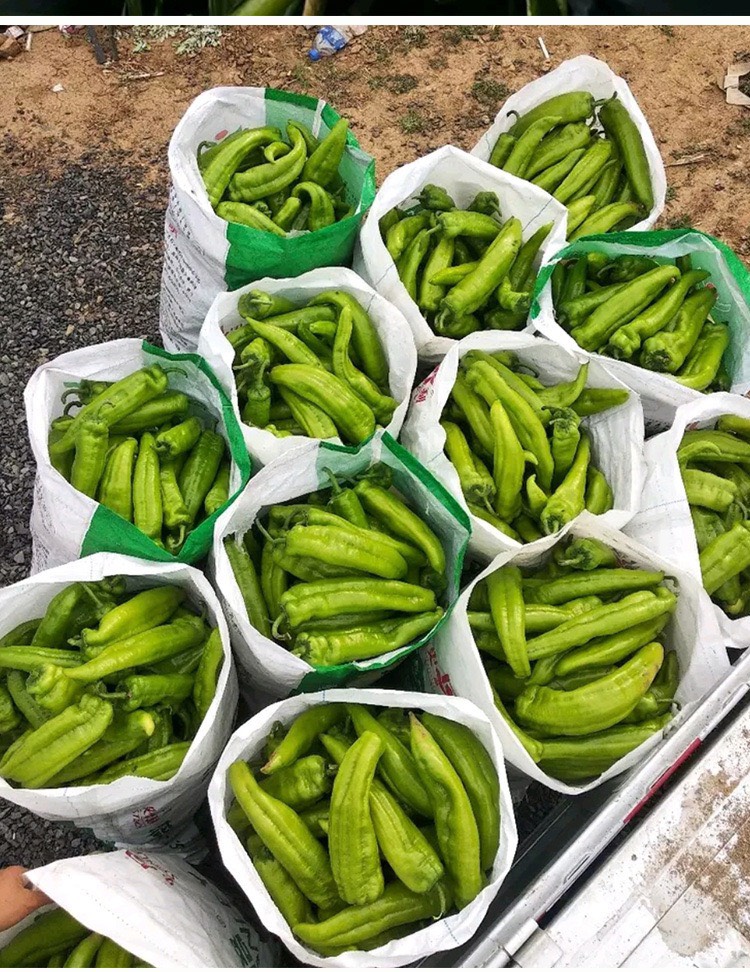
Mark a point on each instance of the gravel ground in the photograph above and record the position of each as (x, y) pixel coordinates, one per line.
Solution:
(80, 263)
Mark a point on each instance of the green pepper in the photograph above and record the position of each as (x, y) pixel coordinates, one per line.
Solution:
(585, 553)
(585, 171)
(367, 926)
(565, 441)
(157, 764)
(383, 406)
(573, 312)
(248, 583)
(400, 235)
(355, 642)
(660, 697)
(573, 760)
(321, 204)
(520, 158)
(124, 735)
(323, 162)
(116, 486)
(627, 339)
(287, 897)
(623, 131)
(200, 471)
(145, 648)
(623, 307)
(568, 500)
(46, 750)
(171, 406)
(435, 198)
(608, 619)
(595, 706)
(501, 150)
(475, 289)
(725, 556)
(528, 428)
(507, 609)
(88, 466)
(704, 361)
(264, 180)
(551, 177)
(476, 483)
(609, 649)
(455, 824)
(50, 933)
(602, 581)
(606, 219)
(400, 520)
(668, 349)
(557, 146)
(218, 164)
(286, 836)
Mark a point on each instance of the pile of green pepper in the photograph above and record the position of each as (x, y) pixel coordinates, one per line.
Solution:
(346, 574)
(656, 315)
(58, 941)
(366, 826)
(134, 447)
(256, 178)
(465, 269)
(107, 684)
(501, 417)
(715, 468)
(573, 655)
(589, 155)
(317, 370)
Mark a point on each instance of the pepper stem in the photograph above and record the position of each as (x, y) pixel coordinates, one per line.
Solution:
(335, 487)
(72, 390)
(265, 534)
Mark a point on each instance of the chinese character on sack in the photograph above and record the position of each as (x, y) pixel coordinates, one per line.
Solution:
(146, 817)
(424, 388)
(148, 865)
(246, 950)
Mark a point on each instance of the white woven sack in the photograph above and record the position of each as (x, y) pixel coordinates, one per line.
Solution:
(135, 811)
(442, 935)
(463, 176)
(664, 523)
(616, 435)
(583, 73)
(154, 905)
(692, 632)
(392, 329)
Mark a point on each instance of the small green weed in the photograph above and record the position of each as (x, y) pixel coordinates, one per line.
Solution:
(489, 92)
(412, 122)
(413, 36)
(680, 221)
(396, 83)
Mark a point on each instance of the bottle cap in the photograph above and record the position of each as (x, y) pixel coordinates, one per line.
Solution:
(314, 55)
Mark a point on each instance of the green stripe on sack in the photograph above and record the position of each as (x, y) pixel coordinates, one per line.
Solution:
(108, 531)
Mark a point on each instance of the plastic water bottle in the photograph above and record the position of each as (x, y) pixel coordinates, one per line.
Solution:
(330, 40)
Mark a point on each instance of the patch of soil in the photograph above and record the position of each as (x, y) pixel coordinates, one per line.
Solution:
(407, 90)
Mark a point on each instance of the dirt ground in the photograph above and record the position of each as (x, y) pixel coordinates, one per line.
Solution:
(407, 90)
